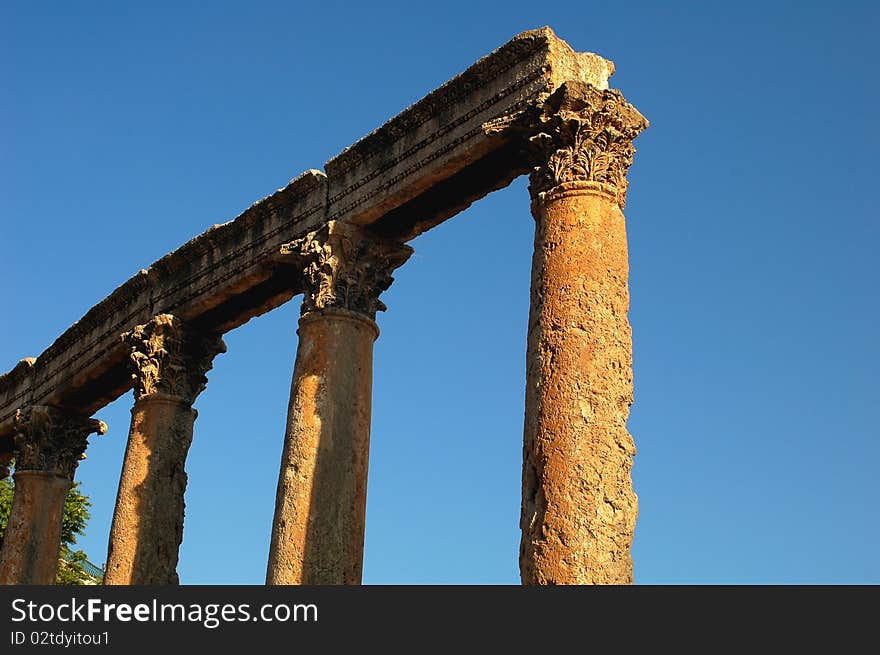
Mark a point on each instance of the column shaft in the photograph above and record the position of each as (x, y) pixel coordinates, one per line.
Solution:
(147, 527)
(33, 533)
(169, 361)
(48, 445)
(579, 508)
(318, 530)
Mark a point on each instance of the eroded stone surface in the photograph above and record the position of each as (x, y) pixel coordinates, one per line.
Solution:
(147, 527)
(52, 440)
(169, 361)
(345, 267)
(230, 273)
(584, 134)
(33, 534)
(48, 445)
(318, 529)
(534, 105)
(579, 508)
(169, 358)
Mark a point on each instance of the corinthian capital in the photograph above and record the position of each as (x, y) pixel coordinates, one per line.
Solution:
(52, 440)
(345, 267)
(584, 134)
(168, 357)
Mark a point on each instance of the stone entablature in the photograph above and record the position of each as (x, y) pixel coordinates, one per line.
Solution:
(533, 106)
(423, 166)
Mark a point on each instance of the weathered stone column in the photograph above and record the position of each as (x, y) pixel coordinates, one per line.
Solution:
(48, 446)
(169, 362)
(318, 530)
(579, 508)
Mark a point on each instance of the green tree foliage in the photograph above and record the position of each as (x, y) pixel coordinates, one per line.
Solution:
(6, 490)
(75, 518)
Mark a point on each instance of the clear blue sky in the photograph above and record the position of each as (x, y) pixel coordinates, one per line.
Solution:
(128, 128)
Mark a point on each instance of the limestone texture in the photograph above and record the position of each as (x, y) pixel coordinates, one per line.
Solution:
(318, 530)
(33, 534)
(533, 106)
(147, 527)
(421, 167)
(48, 445)
(169, 362)
(579, 508)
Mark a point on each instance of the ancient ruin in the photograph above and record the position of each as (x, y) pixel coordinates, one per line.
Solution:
(534, 106)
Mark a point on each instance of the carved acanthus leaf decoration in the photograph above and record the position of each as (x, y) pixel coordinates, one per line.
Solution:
(168, 357)
(345, 267)
(52, 440)
(585, 134)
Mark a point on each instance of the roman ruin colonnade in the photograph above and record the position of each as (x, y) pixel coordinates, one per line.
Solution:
(534, 106)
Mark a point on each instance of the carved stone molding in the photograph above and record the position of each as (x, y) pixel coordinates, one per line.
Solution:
(168, 357)
(584, 134)
(346, 268)
(52, 440)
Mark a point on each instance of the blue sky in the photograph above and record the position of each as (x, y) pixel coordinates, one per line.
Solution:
(128, 128)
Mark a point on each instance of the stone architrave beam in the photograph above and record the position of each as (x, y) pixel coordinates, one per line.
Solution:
(421, 167)
(533, 106)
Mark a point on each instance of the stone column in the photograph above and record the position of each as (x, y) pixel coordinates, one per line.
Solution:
(579, 508)
(48, 446)
(318, 530)
(169, 362)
